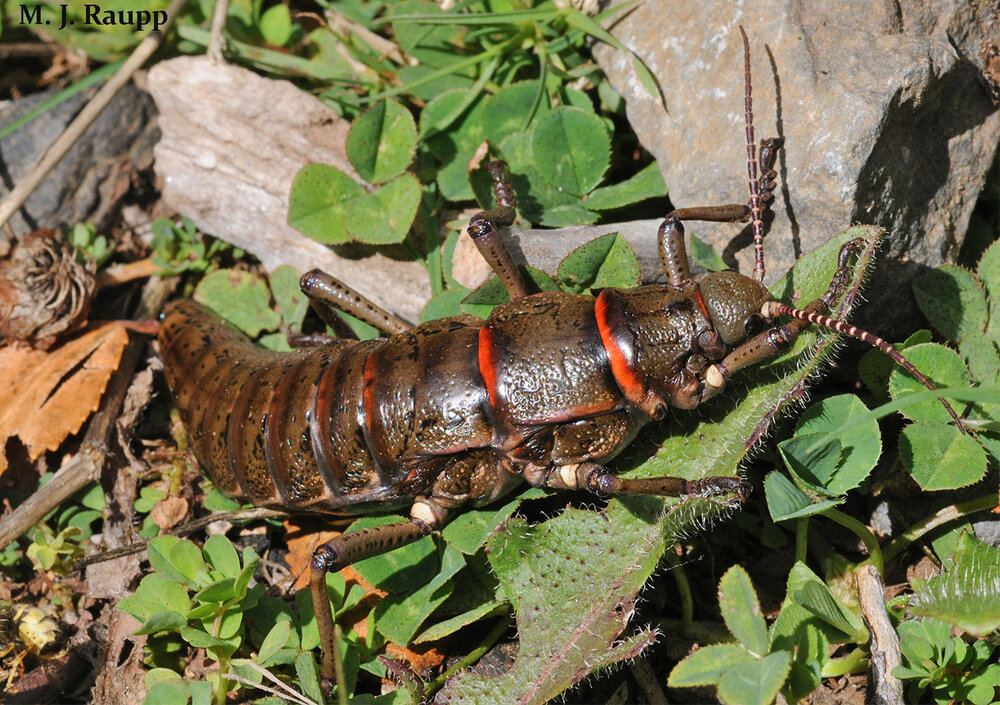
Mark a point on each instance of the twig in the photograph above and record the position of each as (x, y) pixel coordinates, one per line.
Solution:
(19, 194)
(216, 42)
(183, 530)
(883, 687)
(121, 273)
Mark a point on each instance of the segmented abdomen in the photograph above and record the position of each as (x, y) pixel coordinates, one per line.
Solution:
(343, 426)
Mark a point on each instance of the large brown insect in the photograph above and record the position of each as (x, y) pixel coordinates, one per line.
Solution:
(459, 410)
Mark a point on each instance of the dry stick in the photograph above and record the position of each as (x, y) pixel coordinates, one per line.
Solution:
(216, 42)
(883, 687)
(19, 194)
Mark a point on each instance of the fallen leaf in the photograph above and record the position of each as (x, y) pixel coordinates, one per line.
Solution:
(169, 512)
(46, 396)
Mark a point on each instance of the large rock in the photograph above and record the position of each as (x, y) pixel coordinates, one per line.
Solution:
(887, 110)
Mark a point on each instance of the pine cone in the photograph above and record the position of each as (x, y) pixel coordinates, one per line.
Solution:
(44, 291)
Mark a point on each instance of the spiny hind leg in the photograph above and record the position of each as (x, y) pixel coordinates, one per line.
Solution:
(341, 551)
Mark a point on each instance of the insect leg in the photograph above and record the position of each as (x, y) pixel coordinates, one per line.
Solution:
(325, 291)
(601, 481)
(354, 546)
(483, 229)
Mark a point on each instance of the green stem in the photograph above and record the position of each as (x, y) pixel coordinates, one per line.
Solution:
(952, 512)
(854, 662)
(338, 666)
(446, 71)
(703, 632)
(871, 543)
(472, 657)
(684, 588)
(432, 245)
(801, 539)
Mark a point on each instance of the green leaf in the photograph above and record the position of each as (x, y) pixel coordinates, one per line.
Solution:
(276, 25)
(220, 553)
(980, 354)
(942, 366)
(794, 618)
(811, 459)
(384, 216)
(509, 111)
(989, 275)
(854, 456)
(164, 693)
(305, 669)
(455, 147)
(292, 303)
(648, 183)
(940, 457)
(186, 557)
(953, 301)
(318, 202)
(816, 597)
(755, 682)
(274, 642)
(741, 610)
(217, 591)
(382, 142)
(875, 366)
(786, 501)
(166, 621)
(608, 261)
(399, 616)
(240, 298)
(707, 664)
(571, 149)
(155, 594)
(452, 625)
(481, 301)
(705, 255)
(965, 595)
(158, 552)
(469, 530)
(203, 640)
(568, 214)
(447, 303)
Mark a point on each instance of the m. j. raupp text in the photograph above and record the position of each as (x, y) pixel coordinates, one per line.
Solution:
(93, 15)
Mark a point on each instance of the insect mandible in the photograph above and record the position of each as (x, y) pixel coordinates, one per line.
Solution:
(459, 411)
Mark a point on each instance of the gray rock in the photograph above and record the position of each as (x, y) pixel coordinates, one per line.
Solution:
(88, 183)
(886, 109)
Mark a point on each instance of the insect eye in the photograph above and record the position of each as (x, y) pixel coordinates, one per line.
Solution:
(754, 324)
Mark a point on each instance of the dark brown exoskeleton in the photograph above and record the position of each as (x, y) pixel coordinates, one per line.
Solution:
(459, 410)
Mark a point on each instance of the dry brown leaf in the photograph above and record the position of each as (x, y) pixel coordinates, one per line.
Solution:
(169, 512)
(46, 396)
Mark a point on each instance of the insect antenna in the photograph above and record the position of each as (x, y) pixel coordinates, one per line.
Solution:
(776, 308)
(756, 210)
